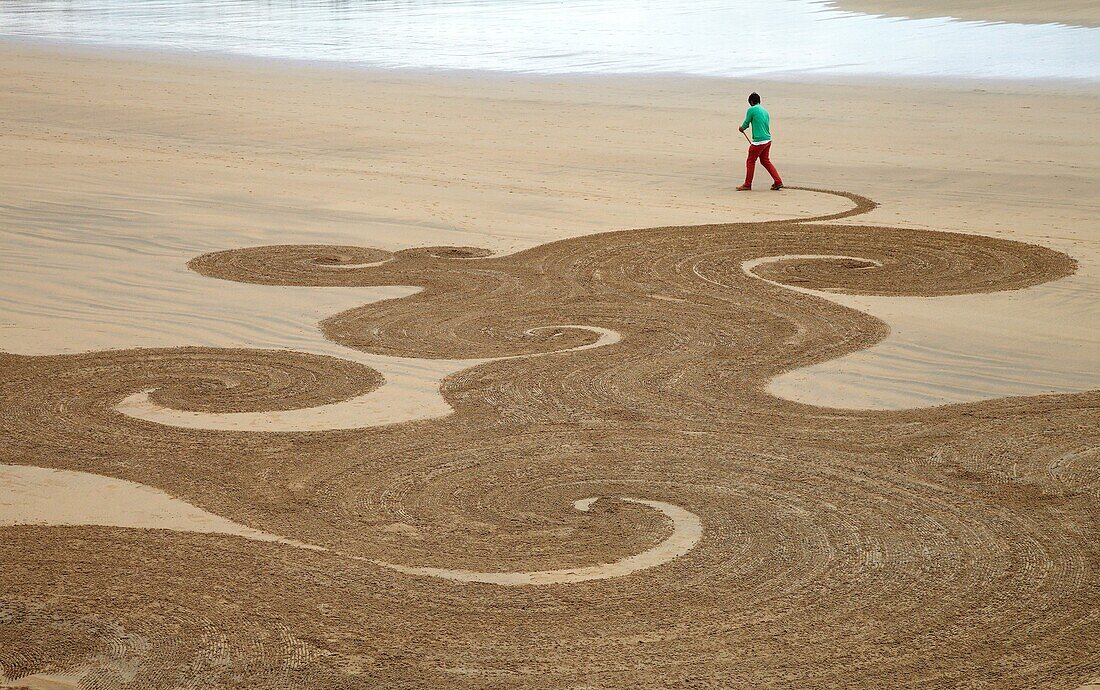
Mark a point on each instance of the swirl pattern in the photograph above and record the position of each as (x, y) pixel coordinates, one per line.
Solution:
(943, 547)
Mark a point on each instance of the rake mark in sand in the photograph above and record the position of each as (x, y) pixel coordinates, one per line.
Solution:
(950, 546)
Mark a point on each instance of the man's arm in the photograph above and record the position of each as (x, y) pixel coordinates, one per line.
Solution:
(745, 124)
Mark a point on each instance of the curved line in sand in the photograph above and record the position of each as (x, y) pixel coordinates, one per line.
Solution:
(687, 530)
(860, 204)
(748, 266)
(902, 372)
(371, 409)
(607, 337)
(32, 495)
(338, 267)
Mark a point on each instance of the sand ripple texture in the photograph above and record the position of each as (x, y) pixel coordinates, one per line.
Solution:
(945, 547)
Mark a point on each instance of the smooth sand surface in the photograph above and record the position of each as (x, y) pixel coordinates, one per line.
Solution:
(42, 496)
(112, 186)
(1072, 12)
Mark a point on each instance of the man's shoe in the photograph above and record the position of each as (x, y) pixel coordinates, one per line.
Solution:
(777, 185)
(744, 188)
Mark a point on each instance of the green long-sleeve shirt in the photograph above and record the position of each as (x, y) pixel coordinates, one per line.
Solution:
(760, 121)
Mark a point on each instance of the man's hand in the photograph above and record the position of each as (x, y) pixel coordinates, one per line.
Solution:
(741, 129)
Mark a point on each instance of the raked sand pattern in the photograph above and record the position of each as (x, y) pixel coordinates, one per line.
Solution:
(614, 500)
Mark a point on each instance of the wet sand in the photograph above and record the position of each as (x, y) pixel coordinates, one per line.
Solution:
(1071, 12)
(502, 385)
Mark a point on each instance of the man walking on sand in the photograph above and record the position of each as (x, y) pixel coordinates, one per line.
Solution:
(761, 144)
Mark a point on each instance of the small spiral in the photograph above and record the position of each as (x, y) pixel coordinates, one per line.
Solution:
(308, 264)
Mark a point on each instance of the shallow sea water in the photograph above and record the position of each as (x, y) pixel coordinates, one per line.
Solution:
(702, 37)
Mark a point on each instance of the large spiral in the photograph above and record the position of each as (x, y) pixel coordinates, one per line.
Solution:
(944, 547)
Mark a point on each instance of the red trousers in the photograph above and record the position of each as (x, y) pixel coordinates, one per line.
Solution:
(760, 151)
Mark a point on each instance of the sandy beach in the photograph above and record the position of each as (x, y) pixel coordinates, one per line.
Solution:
(221, 155)
(1070, 12)
(412, 379)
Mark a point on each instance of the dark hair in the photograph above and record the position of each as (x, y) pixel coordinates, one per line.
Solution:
(754, 98)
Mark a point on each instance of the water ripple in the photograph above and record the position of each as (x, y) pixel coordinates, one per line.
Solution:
(718, 38)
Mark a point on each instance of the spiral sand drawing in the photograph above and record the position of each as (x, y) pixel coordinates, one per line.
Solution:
(613, 500)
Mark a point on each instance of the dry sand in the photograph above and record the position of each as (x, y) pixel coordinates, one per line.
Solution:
(780, 544)
(1072, 12)
(119, 177)
(64, 497)
(47, 497)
